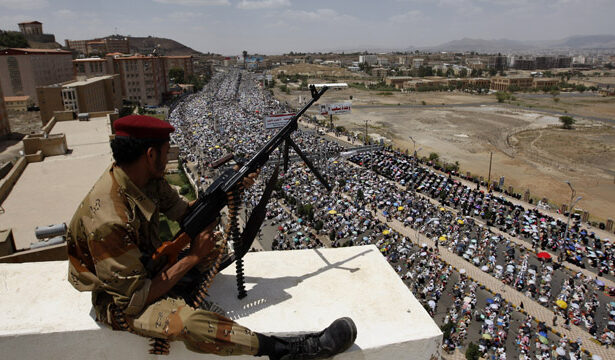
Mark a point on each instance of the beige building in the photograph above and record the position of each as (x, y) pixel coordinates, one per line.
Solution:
(397, 81)
(31, 28)
(92, 67)
(5, 127)
(23, 70)
(100, 46)
(144, 79)
(179, 62)
(500, 83)
(95, 94)
(543, 83)
(16, 104)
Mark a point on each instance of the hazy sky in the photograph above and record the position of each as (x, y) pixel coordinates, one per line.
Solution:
(277, 26)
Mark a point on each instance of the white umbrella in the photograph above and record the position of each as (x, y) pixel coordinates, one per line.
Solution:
(596, 357)
(432, 304)
(489, 322)
(560, 351)
(484, 268)
(499, 267)
(494, 306)
(574, 305)
(462, 271)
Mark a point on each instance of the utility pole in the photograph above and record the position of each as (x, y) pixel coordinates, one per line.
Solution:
(489, 177)
(571, 206)
(365, 132)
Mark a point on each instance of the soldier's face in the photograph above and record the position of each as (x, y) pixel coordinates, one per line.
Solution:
(160, 160)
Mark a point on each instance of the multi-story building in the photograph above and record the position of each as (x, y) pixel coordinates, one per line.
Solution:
(100, 93)
(544, 83)
(525, 64)
(397, 81)
(23, 70)
(545, 62)
(564, 61)
(417, 63)
(5, 127)
(33, 31)
(368, 59)
(144, 79)
(501, 83)
(92, 67)
(100, 46)
(498, 62)
(179, 62)
(17, 104)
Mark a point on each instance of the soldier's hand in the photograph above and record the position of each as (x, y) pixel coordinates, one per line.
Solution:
(250, 179)
(204, 243)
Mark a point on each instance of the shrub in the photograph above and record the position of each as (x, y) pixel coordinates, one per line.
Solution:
(567, 121)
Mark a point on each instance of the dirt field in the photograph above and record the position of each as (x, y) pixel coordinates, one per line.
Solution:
(21, 125)
(529, 148)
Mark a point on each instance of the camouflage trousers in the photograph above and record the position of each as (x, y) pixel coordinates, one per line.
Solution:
(202, 331)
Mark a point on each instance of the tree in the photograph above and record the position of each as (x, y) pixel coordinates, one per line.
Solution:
(473, 352)
(567, 121)
(434, 156)
(245, 56)
(13, 39)
(176, 75)
(463, 73)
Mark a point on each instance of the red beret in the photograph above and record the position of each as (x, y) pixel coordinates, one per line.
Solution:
(142, 127)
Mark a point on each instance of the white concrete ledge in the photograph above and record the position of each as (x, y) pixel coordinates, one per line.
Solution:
(290, 291)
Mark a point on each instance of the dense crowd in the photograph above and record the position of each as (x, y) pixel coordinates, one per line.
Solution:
(227, 117)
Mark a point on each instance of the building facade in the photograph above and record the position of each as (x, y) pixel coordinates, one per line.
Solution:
(500, 83)
(144, 78)
(17, 104)
(5, 127)
(100, 46)
(33, 31)
(92, 67)
(180, 62)
(102, 93)
(23, 70)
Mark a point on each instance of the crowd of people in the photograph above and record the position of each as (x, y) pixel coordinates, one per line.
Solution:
(227, 117)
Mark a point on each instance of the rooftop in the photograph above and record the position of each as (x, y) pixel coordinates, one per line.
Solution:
(28, 51)
(48, 192)
(16, 98)
(288, 292)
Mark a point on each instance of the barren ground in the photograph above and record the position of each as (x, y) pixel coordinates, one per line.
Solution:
(529, 148)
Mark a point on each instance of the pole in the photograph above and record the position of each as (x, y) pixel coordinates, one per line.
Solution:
(571, 205)
(365, 133)
(331, 120)
(489, 177)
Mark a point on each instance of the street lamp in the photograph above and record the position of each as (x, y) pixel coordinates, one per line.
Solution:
(414, 144)
(572, 203)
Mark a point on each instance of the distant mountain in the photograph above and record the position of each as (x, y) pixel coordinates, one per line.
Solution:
(587, 42)
(163, 46)
(483, 46)
(579, 42)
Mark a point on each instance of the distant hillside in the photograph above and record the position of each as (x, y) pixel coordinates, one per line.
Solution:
(579, 42)
(145, 45)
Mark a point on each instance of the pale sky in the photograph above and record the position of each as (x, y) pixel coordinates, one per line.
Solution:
(279, 26)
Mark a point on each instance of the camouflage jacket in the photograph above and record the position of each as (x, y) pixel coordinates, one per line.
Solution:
(113, 228)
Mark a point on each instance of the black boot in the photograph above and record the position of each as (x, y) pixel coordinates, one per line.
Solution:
(336, 338)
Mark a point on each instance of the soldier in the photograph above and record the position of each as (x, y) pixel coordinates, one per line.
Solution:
(115, 229)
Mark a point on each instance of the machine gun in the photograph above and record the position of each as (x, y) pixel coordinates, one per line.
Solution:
(225, 190)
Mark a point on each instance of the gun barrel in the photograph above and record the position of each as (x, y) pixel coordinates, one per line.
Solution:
(45, 232)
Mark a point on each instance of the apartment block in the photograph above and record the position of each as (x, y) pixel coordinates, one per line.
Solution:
(368, 59)
(23, 70)
(17, 104)
(102, 93)
(92, 67)
(5, 127)
(525, 64)
(179, 62)
(144, 78)
(100, 46)
(397, 81)
(500, 83)
(33, 31)
(544, 83)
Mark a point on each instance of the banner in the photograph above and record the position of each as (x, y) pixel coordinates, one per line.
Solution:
(277, 121)
(335, 109)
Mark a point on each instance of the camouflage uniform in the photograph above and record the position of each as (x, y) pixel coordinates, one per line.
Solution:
(113, 228)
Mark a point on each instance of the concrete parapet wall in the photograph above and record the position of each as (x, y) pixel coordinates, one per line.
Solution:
(7, 183)
(49, 253)
(47, 127)
(64, 115)
(38, 156)
(54, 144)
(7, 242)
(288, 292)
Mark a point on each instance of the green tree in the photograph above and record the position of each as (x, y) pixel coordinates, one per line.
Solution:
(463, 73)
(472, 352)
(13, 39)
(567, 121)
(434, 156)
(245, 56)
(176, 75)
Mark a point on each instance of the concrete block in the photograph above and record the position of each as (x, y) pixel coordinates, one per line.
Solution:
(288, 292)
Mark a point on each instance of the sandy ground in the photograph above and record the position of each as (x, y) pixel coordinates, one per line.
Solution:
(529, 149)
